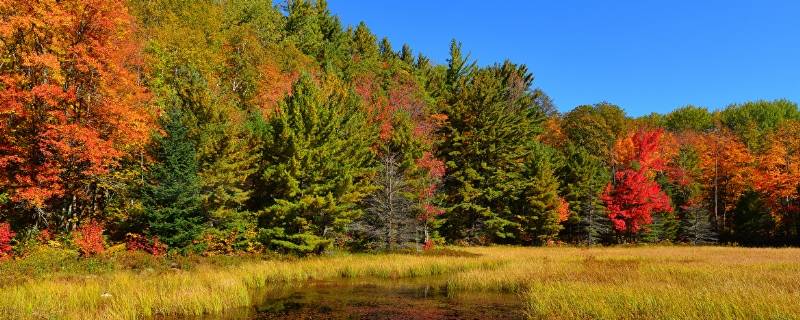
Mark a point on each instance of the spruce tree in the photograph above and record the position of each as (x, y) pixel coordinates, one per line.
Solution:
(315, 168)
(171, 197)
(406, 55)
(663, 229)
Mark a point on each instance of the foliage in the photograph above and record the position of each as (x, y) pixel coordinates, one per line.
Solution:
(543, 208)
(584, 177)
(89, 238)
(689, 118)
(6, 235)
(635, 196)
(71, 104)
(224, 127)
(171, 195)
(137, 242)
(492, 121)
(316, 162)
(596, 128)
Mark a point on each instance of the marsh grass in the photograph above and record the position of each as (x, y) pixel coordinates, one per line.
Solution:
(204, 288)
(646, 282)
(555, 283)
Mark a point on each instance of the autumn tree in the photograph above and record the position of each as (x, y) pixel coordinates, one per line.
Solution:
(726, 172)
(634, 197)
(71, 104)
(778, 178)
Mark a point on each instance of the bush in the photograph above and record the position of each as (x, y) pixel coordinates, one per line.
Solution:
(5, 239)
(233, 238)
(89, 238)
(137, 242)
(39, 261)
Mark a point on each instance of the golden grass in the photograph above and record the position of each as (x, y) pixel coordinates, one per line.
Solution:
(205, 289)
(555, 283)
(646, 282)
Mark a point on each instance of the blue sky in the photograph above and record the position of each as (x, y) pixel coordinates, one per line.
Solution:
(646, 56)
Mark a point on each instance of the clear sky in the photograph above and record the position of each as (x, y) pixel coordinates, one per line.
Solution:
(646, 56)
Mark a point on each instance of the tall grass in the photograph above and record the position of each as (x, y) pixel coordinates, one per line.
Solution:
(646, 282)
(129, 294)
(555, 283)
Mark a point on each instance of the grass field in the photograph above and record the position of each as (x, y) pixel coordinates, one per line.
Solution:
(555, 283)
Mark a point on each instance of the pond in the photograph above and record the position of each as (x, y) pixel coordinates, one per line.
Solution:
(377, 299)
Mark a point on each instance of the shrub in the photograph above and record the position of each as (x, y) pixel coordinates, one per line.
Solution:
(429, 245)
(137, 242)
(234, 238)
(5, 239)
(44, 236)
(89, 238)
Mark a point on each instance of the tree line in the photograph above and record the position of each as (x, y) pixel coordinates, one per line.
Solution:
(240, 126)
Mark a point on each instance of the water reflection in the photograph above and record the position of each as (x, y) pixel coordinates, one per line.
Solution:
(377, 299)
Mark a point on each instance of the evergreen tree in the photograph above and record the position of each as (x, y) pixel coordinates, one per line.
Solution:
(303, 26)
(385, 49)
(486, 143)
(663, 229)
(540, 213)
(365, 44)
(584, 178)
(316, 161)
(406, 55)
(596, 226)
(171, 196)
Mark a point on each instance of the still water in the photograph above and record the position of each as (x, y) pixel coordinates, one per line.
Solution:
(377, 299)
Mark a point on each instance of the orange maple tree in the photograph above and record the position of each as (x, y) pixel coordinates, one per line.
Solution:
(726, 170)
(71, 103)
(778, 172)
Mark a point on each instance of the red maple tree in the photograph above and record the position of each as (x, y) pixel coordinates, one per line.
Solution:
(635, 195)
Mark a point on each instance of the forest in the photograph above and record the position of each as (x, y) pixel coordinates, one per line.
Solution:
(226, 127)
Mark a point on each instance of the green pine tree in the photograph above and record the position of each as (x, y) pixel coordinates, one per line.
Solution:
(539, 213)
(492, 121)
(584, 176)
(316, 165)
